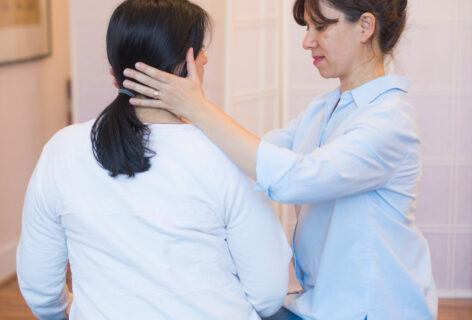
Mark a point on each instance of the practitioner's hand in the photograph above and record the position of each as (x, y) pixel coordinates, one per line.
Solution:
(182, 96)
(185, 97)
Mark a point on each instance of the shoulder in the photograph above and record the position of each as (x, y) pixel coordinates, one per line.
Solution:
(187, 146)
(70, 143)
(71, 137)
(387, 123)
(56, 158)
(214, 158)
(392, 108)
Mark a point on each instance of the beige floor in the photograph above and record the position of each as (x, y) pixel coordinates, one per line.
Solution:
(13, 307)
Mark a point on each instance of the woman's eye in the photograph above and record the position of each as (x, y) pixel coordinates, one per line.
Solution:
(319, 28)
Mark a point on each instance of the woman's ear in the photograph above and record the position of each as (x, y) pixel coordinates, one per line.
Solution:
(368, 25)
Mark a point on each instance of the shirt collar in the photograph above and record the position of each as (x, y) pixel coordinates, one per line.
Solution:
(371, 90)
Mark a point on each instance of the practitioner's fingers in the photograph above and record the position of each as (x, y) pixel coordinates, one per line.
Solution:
(139, 88)
(155, 74)
(143, 79)
(149, 103)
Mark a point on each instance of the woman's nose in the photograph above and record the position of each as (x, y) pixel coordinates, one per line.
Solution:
(310, 41)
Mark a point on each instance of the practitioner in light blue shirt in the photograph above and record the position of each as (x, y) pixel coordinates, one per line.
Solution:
(350, 160)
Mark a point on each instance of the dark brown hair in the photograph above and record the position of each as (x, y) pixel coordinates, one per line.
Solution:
(390, 16)
(158, 33)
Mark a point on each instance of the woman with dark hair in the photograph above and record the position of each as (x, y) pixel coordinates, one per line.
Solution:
(350, 160)
(156, 222)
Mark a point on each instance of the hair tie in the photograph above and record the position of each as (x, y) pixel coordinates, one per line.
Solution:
(127, 92)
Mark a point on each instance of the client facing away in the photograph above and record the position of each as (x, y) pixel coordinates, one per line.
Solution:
(155, 220)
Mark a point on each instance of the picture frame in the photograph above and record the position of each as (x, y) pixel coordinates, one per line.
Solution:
(25, 30)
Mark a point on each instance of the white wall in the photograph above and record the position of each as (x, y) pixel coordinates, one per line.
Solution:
(33, 105)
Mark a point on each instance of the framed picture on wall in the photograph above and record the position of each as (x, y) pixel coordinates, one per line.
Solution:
(25, 30)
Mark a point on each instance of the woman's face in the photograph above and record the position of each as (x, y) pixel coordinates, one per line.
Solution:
(200, 63)
(335, 48)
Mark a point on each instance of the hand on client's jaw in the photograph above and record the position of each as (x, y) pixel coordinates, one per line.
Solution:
(181, 96)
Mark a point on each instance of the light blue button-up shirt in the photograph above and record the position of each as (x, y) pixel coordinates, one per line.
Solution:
(354, 169)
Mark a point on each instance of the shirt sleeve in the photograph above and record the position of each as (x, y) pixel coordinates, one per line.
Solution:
(42, 253)
(364, 158)
(258, 246)
(283, 137)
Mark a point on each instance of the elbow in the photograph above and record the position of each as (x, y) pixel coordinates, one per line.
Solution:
(281, 196)
(269, 301)
(270, 304)
(292, 196)
(44, 303)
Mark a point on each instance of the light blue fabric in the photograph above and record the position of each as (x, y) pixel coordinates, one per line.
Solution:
(354, 171)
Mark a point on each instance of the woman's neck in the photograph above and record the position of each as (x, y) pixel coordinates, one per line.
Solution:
(362, 73)
(160, 116)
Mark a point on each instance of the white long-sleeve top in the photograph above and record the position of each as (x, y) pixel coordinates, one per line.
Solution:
(188, 239)
(354, 170)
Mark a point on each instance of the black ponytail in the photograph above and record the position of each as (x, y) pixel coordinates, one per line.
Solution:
(158, 33)
(120, 139)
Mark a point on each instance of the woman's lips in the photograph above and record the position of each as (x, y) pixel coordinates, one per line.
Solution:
(317, 60)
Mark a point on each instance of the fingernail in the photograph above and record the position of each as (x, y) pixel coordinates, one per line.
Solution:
(139, 65)
(132, 101)
(126, 83)
(127, 72)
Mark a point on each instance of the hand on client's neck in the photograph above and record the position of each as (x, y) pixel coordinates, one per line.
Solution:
(151, 115)
(159, 116)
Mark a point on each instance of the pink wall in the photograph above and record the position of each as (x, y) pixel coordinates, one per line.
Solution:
(92, 85)
(34, 105)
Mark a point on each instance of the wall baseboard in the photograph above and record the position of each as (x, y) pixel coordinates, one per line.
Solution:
(455, 294)
(8, 260)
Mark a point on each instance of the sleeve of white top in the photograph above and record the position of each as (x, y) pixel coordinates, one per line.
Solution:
(362, 159)
(42, 252)
(258, 246)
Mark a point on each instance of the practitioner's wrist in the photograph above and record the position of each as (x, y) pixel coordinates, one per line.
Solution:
(205, 112)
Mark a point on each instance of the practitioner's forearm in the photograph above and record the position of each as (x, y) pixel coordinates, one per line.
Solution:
(238, 143)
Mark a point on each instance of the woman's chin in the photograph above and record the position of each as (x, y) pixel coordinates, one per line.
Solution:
(327, 75)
